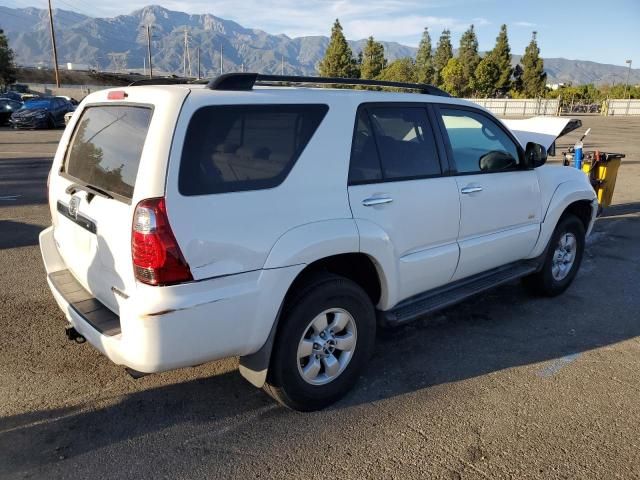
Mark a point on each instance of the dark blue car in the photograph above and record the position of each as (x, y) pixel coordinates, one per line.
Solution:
(46, 112)
(7, 108)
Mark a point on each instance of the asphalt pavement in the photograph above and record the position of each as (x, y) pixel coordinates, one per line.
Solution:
(505, 385)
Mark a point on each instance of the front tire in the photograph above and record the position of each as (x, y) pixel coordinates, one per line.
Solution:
(325, 338)
(562, 259)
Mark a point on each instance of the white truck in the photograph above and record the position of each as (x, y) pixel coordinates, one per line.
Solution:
(283, 225)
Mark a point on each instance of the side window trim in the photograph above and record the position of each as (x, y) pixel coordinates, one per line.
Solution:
(443, 161)
(464, 108)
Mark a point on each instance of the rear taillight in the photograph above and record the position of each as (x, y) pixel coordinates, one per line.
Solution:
(157, 259)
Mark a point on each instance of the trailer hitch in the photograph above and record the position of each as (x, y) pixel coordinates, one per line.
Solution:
(73, 335)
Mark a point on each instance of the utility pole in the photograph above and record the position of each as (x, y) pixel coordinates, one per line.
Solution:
(186, 56)
(198, 52)
(149, 50)
(55, 51)
(221, 59)
(626, 85)
(282, 65)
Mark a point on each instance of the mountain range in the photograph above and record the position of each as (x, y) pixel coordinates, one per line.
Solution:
(120, 43)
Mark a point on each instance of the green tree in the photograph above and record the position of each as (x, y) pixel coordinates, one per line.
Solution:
(469, 58)
(516, 85)
(453, 79)
(533, 77)
(501, 54)
(444, 52)
(7, 66)
(486, 77)
(400, 70)
(373, 61)
(424, 59)
(338, 60)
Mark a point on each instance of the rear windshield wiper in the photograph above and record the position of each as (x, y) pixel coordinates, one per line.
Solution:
(90, 189)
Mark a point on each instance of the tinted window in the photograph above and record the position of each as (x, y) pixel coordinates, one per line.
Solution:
(405, 142)
(37, 104)
(106, 147)
(365, 163)
(478, 144)
(233, 148)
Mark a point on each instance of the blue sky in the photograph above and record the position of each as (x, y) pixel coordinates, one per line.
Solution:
(603, 31)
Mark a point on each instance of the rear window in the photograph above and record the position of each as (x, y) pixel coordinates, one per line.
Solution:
(244, 147)
(106, 147)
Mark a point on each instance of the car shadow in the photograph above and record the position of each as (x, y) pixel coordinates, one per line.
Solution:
(23, 181)
(499, 330)
(18, 234)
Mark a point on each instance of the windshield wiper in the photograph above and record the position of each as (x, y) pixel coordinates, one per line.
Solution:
(90, 189)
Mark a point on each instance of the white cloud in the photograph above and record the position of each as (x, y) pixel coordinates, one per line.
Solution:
(524, 24)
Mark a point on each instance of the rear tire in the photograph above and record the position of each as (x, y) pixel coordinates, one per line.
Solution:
(325, 338)
(562, 260)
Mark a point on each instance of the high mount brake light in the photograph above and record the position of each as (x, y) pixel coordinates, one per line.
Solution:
(117, 95)
(157, 259)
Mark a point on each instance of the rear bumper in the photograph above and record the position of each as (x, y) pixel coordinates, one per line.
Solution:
(163, 328)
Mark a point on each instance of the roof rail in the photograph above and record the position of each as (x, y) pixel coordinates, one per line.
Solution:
(246, 81)
(160, 81)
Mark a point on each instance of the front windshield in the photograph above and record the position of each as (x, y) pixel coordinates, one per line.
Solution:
(36, 104)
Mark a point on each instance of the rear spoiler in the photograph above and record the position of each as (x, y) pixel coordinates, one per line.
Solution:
(542, 130)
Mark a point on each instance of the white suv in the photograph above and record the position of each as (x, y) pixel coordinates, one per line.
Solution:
(284, 225)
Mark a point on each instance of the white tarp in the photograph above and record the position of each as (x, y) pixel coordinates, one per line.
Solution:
(542, 130)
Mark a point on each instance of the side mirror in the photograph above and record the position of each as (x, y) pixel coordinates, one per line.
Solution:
(535, 154)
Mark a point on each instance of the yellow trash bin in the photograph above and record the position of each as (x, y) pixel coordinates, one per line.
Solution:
(602, 170)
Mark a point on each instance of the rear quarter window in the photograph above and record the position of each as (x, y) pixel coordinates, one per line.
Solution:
(244, 147)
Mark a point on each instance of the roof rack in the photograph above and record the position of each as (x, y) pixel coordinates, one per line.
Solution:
(246, 81)
(160, 81)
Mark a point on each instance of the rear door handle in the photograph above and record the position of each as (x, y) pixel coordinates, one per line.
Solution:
(468, 190)
(373, 201)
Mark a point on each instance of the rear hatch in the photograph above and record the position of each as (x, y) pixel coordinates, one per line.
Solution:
(112, 155)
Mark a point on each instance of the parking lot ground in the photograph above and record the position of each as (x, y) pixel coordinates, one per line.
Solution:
(502, 386)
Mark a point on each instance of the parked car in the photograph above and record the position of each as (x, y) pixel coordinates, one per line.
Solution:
(71, 100)
(15, 96)
(7, 107)
(45, 112)
(285, 225)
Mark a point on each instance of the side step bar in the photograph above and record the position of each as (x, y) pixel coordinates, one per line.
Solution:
(442, 297)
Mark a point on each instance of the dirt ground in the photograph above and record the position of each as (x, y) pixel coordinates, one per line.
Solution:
(502, 386)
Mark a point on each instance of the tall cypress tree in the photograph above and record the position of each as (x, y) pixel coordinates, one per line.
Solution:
(516, 85)
(533, 76)
(444, 52)
(7, 66)
(373, 60)
(469, 58)
(338, 60)
(424, 59)
(501, 54)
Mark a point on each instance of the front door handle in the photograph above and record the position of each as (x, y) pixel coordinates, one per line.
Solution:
(470, 189)
(373, 201)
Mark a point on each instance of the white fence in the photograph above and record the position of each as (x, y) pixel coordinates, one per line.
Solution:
(623, 107)
(512, 107)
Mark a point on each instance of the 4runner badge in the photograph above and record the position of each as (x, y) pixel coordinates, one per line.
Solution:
(73, 206)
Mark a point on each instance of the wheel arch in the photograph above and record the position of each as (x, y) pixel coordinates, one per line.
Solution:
(571, 197)
(356, 266)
